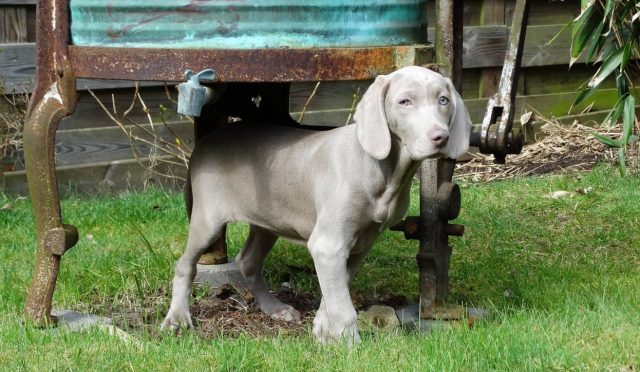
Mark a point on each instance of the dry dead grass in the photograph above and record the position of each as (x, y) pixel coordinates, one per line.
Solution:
(560, 149)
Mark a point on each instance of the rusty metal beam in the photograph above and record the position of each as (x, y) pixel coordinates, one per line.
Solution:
(436, 188)
(255, 65)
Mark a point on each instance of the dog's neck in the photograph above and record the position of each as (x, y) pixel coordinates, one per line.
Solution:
(397, 170)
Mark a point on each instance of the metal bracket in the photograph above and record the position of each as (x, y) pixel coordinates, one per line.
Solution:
(191, 95)
(495, 135)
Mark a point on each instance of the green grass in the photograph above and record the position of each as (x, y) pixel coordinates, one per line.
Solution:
(559, 276)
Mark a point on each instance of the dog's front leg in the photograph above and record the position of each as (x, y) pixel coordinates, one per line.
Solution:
(336, 317)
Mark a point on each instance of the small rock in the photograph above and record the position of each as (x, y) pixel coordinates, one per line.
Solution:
(584, 190)
(559, 194)
(378, 317)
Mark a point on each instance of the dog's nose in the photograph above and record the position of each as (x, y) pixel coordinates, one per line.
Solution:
(439, 138)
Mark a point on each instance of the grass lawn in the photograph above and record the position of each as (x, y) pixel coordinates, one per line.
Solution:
(560, 278)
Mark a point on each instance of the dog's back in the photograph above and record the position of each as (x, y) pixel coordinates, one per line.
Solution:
(247, 173)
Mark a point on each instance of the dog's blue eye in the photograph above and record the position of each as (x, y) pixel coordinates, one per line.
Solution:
(443, 100)
(405, 102)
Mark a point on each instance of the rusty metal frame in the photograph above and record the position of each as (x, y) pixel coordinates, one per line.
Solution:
(495, 135)
(58, 64)
(237, 65)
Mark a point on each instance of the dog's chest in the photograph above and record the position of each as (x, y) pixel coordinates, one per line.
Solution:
(390, 207)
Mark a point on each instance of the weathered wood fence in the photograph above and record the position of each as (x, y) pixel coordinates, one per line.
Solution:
(93, 155)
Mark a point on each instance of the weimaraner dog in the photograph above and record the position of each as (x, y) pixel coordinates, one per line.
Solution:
(334, 191)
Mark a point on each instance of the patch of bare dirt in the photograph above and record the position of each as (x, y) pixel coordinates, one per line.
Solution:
(230, 313)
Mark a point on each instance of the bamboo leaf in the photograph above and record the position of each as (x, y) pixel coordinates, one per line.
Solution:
(622, 162)
(586, 93)
(629, 118)
(595, 42)
(583, 28)
(626, 53)
(610, 64)
(615, 112)
(607, 141)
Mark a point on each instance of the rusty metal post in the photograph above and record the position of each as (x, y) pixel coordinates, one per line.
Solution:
(53, 98)
(435, 175)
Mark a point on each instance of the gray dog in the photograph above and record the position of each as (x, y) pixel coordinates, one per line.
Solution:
(333, 191)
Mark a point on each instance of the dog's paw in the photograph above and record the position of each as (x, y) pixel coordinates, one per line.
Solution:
(337, 329)
(286, 313)
(177, 320)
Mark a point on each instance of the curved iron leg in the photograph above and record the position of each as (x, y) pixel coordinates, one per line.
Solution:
(53, 237)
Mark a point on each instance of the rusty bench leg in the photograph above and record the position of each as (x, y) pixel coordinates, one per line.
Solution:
(435, 176)
(53, 237)
(439, 202)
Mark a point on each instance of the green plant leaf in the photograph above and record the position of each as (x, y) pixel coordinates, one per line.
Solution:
(628, 118)
(616, 112)
(584, 26)
(587, 92)
(622, 162)
(607, 141)
(595, 41)
(626, 53)
(610, 64)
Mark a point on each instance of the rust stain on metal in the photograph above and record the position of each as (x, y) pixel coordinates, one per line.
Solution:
(235, 65)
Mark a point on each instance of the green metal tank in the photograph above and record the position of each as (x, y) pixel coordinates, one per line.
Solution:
(240, 24)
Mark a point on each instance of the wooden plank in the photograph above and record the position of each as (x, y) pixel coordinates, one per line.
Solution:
(89, 114)
(557, 104)
(81, 146)
(31, 24)
(17, 66)
(99, 179)
(545, 12)
(18, 2)
(492, 14)
(13, 24)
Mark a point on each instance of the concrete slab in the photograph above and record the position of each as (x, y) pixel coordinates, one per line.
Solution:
(218, 276)
(76, 321)
(410, 319)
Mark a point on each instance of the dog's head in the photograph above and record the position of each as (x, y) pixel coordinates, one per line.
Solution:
(419, 107)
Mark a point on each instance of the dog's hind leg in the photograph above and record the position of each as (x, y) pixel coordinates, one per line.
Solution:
(203, 231)
(250, 261)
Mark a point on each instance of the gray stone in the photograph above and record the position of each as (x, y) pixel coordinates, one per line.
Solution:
(378, 317)
(219, 276)
(410, 319)
(76, 321)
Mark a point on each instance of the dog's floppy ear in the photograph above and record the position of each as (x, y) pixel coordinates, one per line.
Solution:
(371, 120)
(459, 126)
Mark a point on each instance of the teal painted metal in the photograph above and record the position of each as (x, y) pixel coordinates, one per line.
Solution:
(243, 24)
